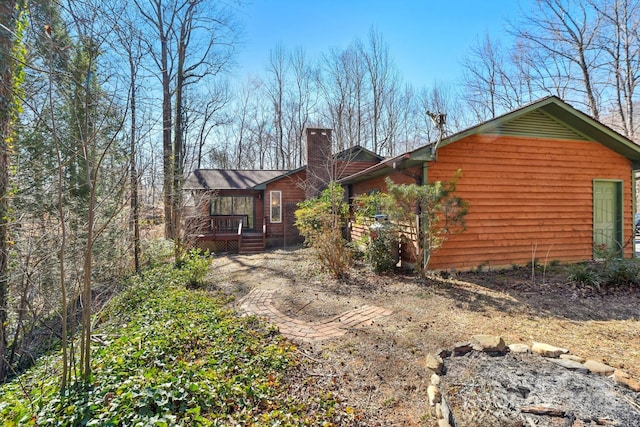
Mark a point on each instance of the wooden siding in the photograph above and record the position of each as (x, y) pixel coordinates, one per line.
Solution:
(292, 187)
(343, 169)
(529, 198)
(408, 176)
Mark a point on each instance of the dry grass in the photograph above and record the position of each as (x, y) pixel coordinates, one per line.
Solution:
(379, 369)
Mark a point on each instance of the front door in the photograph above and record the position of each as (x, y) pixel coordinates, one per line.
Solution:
(607, 217)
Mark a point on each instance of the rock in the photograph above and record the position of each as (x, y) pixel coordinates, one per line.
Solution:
(519, 348)
(620, 374)
(434, 363)
(434, 395)
(599, 367)
(572, 357)
(462, 348)
(571, 365)
(488, 343)
(443, 423)
(435, 379)
(439, 411)
(625, 379)
(548, 350)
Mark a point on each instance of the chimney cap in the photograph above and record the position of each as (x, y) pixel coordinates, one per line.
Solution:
(322, 131)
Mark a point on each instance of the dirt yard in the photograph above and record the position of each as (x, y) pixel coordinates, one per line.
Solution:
(380, 369)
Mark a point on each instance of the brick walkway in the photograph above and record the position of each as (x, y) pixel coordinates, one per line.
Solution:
(260, 303)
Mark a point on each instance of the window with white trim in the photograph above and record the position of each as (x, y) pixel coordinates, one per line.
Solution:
(275, 206)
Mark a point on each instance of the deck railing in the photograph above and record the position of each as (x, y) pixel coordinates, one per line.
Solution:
(228, 223)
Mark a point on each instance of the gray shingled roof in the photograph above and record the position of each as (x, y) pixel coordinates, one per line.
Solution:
(228, 179)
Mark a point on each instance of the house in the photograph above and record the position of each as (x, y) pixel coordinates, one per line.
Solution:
(248, 210)
(543, 182)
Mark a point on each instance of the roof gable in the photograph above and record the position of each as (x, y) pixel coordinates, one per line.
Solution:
(358, 153)
(536, 124)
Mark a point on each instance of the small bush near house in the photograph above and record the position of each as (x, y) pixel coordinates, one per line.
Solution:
(321, 220)
(195, 265)
(622, 272)
(607, 273)
(382, 249)
(584, 274)
(333, 251)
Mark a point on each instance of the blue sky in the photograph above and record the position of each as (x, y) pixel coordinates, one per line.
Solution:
(427, 39)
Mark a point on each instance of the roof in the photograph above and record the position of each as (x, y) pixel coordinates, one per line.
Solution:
(358, 153)
(553, 117)
(228, 179)
(257, 179)
(355, 153)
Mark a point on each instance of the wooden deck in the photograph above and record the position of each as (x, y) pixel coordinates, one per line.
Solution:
(226, 233)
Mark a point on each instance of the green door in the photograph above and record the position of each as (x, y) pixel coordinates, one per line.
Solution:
(607, 215)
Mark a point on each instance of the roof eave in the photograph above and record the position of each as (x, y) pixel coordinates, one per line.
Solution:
(580, 122)
(396, 163)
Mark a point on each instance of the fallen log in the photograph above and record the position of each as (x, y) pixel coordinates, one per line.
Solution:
(543, 410)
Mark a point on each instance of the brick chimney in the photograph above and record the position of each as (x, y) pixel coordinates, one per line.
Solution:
(319, 164)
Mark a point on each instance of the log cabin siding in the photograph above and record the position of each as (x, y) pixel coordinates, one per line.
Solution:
(292, 188)
(346, 168)
(528, 198)
(408, 176)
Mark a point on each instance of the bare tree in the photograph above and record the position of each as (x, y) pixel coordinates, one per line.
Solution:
(301, 104)
(480, 79)
(495, 80)
(383, 79)
(620, 39)
(562, 38)
(342, 88)
(196, 41)
(128, 42)
(203, 115)
(162, 19)
(277, 71)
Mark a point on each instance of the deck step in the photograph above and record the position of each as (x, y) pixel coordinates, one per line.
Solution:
(251, 244)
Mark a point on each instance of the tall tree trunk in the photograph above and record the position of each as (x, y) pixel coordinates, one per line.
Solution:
(6, 105)
(66, 370)
(167, 123)
(90, 172)
(133, 170)
(178, 153)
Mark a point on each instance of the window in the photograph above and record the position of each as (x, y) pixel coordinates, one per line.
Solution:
(234, 206)
(276, 206)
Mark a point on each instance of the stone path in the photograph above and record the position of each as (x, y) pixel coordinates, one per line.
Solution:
(260, 303)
